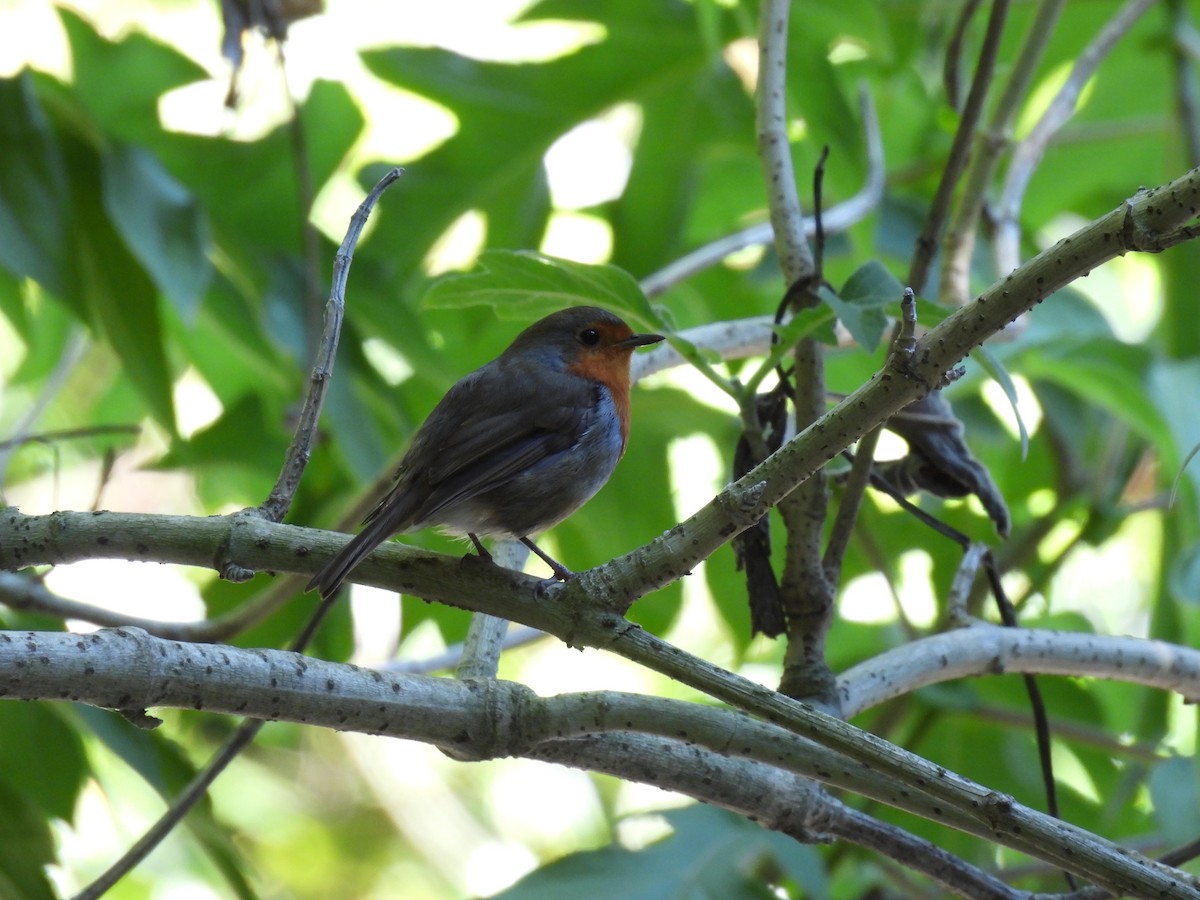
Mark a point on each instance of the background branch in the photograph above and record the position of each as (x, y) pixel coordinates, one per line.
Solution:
(958, 243)
(839, 217)
(775, 151)
(964, 137)
(1028, 153)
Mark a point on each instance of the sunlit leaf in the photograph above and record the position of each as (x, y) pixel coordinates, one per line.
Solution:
(526, 285)
(33, 189)
(991, 364)
(119, 295)
(710, 855)
(49, 756)
(164, 766)
(161, 223)
(26, 846)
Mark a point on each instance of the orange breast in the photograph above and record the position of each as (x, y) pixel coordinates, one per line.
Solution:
(610, 367)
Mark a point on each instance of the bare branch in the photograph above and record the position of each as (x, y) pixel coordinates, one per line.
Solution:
(280, 499)
(952, 67)
(775, 151)
(847, 513)
(517, 636)
(913, 852)
(1028, 153)
(485, 636)
(779, 801)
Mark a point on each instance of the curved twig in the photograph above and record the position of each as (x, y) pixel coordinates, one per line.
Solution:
(1028, 153)
(296, 459)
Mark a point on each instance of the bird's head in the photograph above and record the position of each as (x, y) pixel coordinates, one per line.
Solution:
(586, 341)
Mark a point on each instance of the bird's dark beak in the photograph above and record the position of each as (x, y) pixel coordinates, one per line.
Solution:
(642, 340)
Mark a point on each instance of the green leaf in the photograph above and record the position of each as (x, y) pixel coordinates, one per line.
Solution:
(116, 290)
(991, 364)
(89, 269)
(161, 223)
(1173, 386)
(872, 284)
(223, 442)
(712, 854)
(686, 125)
(525, 285)
(33, 189)
(164, 766)
(1183, 576)
(862, 302)
(1109, 374)
(1174, 786)
(865, 323)
(47, 762)
(26, 846)
(510, 114)
(816, 321)
(120, 82)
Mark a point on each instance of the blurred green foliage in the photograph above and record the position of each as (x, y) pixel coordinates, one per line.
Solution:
(175, 253)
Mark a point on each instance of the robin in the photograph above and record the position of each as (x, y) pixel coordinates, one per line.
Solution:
(517, 445)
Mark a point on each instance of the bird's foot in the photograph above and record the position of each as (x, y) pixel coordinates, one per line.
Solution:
(547, 588)
(561, 572)
(480, 550)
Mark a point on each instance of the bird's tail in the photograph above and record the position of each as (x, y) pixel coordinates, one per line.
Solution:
(334, 572)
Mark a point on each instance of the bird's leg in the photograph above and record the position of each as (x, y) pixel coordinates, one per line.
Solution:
(480, 549)
(561, 572)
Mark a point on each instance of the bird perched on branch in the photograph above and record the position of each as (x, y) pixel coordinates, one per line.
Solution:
(517, 445)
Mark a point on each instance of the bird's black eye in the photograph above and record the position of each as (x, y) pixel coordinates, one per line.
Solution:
(589, 337)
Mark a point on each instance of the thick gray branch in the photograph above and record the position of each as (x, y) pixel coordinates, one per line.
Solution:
(129, 669)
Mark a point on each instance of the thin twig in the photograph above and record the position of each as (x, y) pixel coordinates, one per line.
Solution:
(245, 734)
(31, 595)
(276, 505)
(959, 241)
(952, 67)
(69, 434)
(952, 872)
(847, 514)
(960, 149)
(485, 635)
(519, 636)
